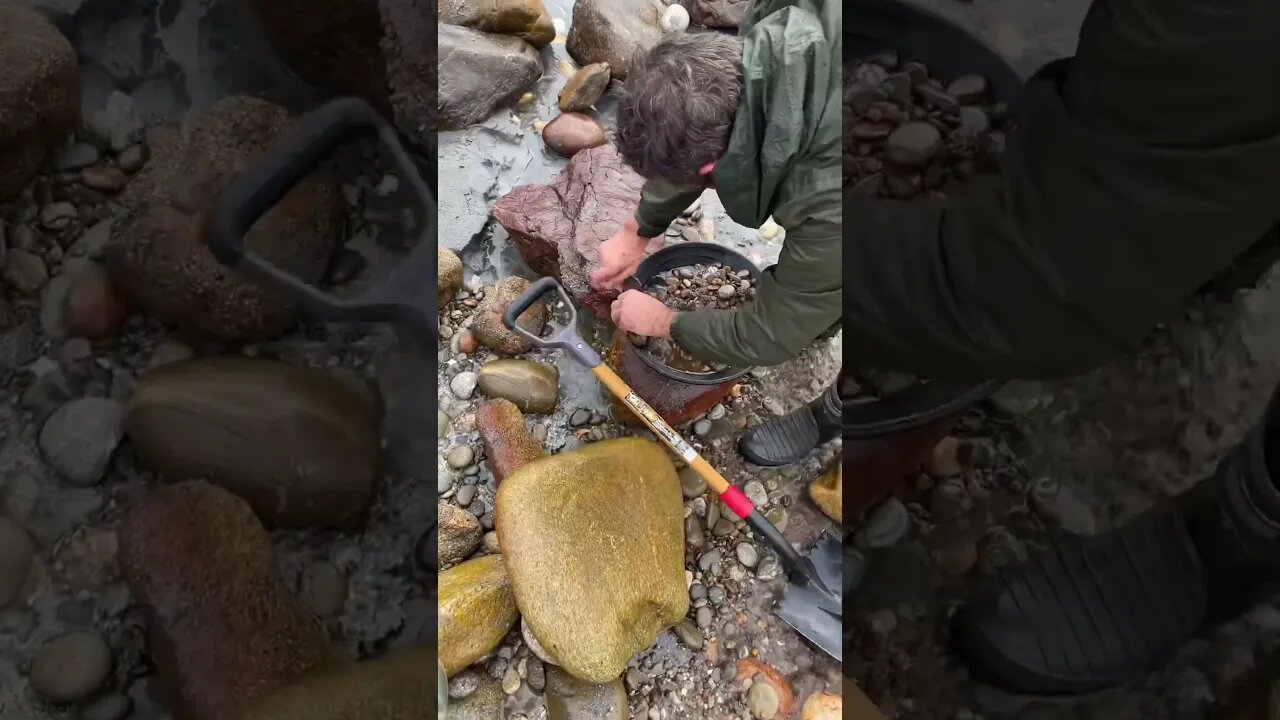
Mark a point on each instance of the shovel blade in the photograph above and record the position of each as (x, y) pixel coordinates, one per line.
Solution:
(817, 615)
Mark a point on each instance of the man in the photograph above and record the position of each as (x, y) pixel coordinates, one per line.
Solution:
(1145, 169)
(758, 118)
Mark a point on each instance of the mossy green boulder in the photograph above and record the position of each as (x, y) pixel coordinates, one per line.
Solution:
(300, 445)
(476, 610)
(399, 686)
(594, 544)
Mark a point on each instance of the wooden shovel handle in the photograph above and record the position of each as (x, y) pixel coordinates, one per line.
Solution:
(730, 494)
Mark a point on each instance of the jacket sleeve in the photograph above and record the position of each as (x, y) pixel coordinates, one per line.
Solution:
(661, 202)
(796, 301)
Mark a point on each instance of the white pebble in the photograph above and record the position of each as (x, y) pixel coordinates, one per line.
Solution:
(675, 19)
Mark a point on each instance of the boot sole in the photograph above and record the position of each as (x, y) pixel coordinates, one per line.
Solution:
(1089, 615)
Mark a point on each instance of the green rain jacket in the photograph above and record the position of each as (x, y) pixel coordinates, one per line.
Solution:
(1142, 168)
(783, 160)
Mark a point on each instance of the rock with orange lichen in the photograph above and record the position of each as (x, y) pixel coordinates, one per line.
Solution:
(222, 626)
(828, 493)
(752, 669)
(507, 442)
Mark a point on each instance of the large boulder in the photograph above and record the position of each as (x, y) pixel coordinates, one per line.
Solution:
(558, 228)
(475, 610)
(222, 626)
(525, 19)
(594, 544)
(726, 14)
(298, 444)
(40, 88)
(394, 687)
(480, 72)
(159, 252)
(612, 31)
(381, 50)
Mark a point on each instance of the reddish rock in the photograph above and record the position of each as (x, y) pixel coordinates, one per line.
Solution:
(104, 179)
(558, 228)
(222, 626)
(507, 442)
(676, 402)
(573, 132)
(467, 342)
(94, 310)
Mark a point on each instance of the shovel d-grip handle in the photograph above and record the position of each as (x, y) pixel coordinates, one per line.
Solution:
(405, 298)
(567, 338)
(264, 184)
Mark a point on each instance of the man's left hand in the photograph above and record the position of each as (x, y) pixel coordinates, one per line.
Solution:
(642, 314)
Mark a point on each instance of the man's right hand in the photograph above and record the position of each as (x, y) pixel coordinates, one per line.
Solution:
(620, 255)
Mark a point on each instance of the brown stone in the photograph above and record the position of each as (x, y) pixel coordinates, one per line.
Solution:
(488, 326)
(558, 228)
(507, 442)
(457, 534)
(159, 251)
(300, 445)
(533, 387)
(612, 31)
(675, 402)
(94, 309)
(222, 626)
(40, 85)
(570, 133)
(448, 275)
(109, 180)
(525, 19)
(584, 88)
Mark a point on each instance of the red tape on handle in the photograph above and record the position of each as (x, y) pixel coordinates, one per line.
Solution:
(737, 502)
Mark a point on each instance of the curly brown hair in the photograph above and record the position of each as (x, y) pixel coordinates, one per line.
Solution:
(676, 107)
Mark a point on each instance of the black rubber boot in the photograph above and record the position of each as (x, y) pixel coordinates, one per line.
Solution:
(787, 439)
(1094, 613)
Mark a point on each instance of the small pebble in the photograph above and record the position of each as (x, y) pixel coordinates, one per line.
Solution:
(762, 701)
(580, 417)
(703, 617)
(108, 707)
(460, 457)
(888, 523)
(465, 495)
(442, 424)
(71, 667)
(463, 384)
(689, 634)
(511, 681)
(748, 555)
(702, 428)
(756, 493)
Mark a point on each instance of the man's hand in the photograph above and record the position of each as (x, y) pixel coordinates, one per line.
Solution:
(620, 255)
(642, 314)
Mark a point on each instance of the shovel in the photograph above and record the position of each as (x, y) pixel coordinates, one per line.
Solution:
(812, 600)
